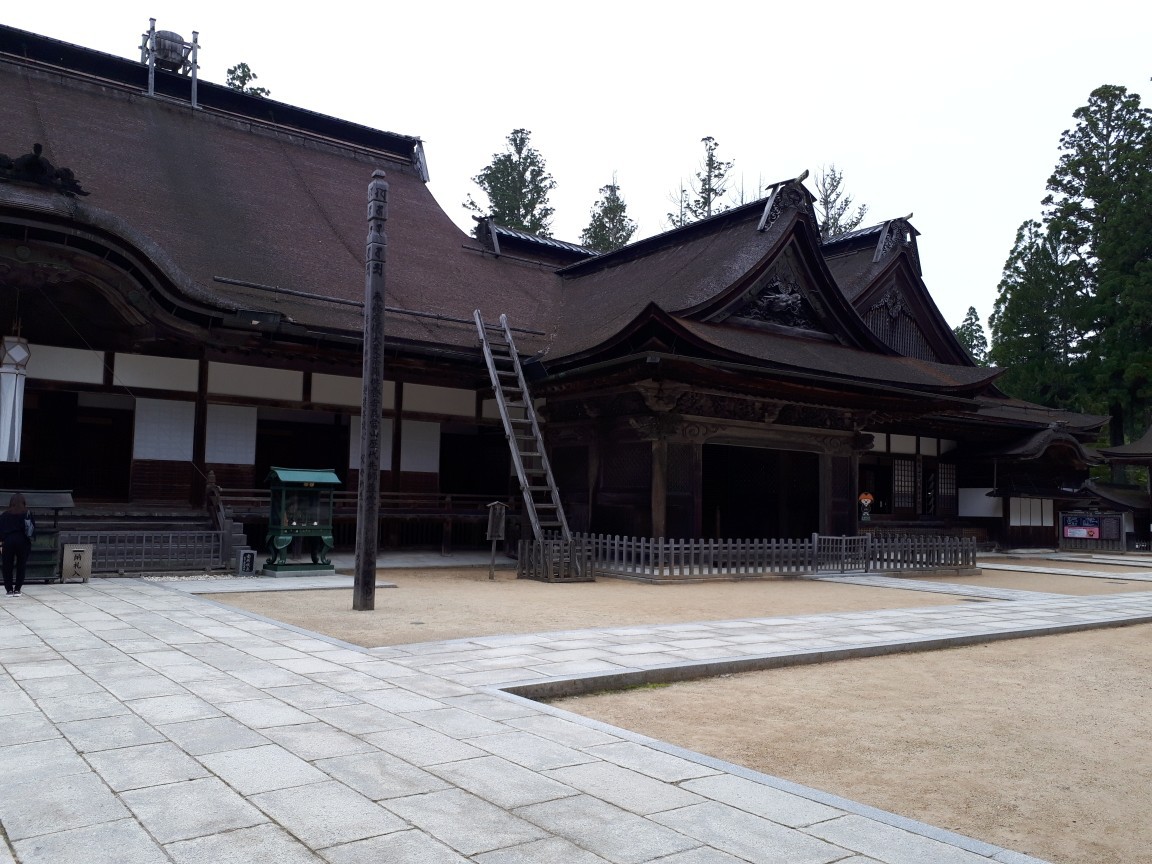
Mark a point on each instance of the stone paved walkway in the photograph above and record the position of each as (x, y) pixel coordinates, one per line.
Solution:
(146, 725)
(983, 592)
(1132, 576)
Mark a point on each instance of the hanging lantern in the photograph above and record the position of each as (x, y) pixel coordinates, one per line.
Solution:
(13, 367)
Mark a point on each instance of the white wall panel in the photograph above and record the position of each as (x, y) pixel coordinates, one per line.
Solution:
(902, 443)
(159, 373)
(439, 400)
(257, 382)
(419, 449)
(975, 502)
(231, 435)
(879, 441)
(345, 390)
(1030, 512)
(420, 446)
(79, 365)
(385, 443)
(163, 430)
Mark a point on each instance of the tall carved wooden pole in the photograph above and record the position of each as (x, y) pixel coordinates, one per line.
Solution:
(368, 500)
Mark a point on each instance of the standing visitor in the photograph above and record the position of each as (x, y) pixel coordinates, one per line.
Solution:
(17, 527)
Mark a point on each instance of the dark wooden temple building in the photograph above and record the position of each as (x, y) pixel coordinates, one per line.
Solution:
(187, 278)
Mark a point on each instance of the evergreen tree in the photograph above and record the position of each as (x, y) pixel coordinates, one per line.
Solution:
(609, 227)
(1074, 317)
(1100, 194)
(970, 334)
(834, 206)
(703, 198)
(516, 184)
(1037, 334)
(240, 77)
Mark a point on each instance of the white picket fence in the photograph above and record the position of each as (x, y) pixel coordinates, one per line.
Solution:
(662, 559)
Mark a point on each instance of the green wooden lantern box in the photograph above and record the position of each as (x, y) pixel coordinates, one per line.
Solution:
(300, 507)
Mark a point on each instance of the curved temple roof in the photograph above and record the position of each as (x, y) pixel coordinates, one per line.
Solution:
(245, 194)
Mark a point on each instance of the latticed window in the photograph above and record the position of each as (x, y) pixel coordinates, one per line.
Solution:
(904, 484)
(627, 466)
(681, 468)
(947, 499)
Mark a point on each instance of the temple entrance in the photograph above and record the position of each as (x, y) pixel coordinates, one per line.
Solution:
(474, 462)
(300, 439)
(754, 492)
(76, 441)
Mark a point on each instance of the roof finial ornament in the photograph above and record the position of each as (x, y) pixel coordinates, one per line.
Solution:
(34, 168)
(786, 195)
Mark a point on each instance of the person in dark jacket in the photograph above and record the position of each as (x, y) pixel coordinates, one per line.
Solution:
(14, 534)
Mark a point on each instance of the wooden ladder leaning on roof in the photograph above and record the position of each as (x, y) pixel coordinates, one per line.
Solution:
(541, 498)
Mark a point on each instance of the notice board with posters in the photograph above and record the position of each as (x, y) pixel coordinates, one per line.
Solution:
(1092, 530)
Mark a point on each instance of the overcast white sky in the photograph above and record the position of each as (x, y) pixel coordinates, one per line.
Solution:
(950, 111)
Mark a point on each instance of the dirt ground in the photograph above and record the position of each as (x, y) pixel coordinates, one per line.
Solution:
(1041, 745)
(1055, 583)
(430, 605)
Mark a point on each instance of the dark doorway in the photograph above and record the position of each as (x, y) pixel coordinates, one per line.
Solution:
(76, 441)
(754, 492)
(475, 462)
(300, 439)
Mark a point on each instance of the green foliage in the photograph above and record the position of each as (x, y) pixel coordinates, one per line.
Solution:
(516, 184)
(1086, 273)
(970, 334)
(834, 206)
(702, 199)
(240, 77)
(1035, 330)
(609, 227)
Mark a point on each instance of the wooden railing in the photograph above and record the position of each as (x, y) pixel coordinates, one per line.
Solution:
(146, 551)
(555, 560)
(920, 552)
(840, 554)
(669, 560)
(243, 504)
(661, 559)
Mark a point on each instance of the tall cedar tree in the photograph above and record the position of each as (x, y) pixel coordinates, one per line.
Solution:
(516, 183)
(609, 227)
(702, 199)
(1035, 331)
(241, 76)
(970, 334)
(834, 205)
(1101, 191)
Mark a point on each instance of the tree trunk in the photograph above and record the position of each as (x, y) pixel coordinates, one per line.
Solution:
(1116, 438)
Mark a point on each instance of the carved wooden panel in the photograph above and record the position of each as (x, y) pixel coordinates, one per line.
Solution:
(894, 323)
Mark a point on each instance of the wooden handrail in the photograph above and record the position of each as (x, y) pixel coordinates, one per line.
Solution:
(344, 502)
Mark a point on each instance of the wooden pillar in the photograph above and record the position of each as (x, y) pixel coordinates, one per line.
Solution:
(826, 468)
(200, 436)
(594, 449)
(397, 435)
(697, 474)
(659, 487)
(368, 497)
